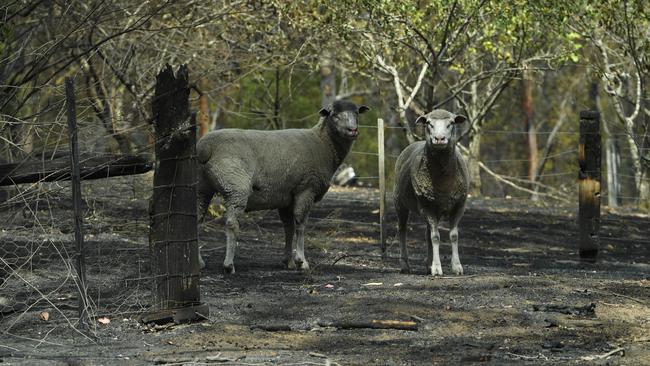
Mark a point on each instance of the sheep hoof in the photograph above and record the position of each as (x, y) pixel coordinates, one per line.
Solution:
(290, 264)
(457, 269)
(384, 256)
(229, 268)
(435, 271)
(304, 266)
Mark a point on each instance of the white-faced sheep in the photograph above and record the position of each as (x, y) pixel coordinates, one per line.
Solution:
(431, 178)
(288, 170)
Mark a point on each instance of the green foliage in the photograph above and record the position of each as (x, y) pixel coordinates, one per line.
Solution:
(253, 102)
(252, 105)
(6, 37)
(258, 62)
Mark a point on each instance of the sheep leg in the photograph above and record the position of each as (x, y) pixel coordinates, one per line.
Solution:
(303, 203)
(456, 267)
(300, 246)
(204, 196)
(402, 221)
(435, 268)
(427, 238)
(234, 185)
(235, 204)
(204, 193)
(232, 230)
(286, 215)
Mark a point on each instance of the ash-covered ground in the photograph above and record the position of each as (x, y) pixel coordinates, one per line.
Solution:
(524, 298)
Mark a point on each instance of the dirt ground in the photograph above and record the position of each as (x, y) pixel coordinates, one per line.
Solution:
(524, 298)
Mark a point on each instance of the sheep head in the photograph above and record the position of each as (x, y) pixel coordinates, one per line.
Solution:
(442, 128)
(342, 118)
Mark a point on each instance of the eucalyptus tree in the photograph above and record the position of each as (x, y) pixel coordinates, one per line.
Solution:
(115, 49)
(619, 33)
(460, 54)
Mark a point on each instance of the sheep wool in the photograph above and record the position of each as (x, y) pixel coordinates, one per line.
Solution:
(288, 170)
(431, 179)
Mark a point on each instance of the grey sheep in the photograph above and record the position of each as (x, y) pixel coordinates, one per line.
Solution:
(431, 178)
(288, 170)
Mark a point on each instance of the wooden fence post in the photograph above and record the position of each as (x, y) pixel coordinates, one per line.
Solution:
(382, 186)
(173, 232)
(589, 178)
(76, 199)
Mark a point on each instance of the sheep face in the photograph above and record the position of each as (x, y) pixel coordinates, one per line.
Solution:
(442, 128)
(343, 118)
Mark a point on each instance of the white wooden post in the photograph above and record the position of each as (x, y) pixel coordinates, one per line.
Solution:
(382, 186)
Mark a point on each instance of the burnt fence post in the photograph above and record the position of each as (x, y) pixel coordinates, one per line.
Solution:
(173, 233)
(76, 200)
(589, 179)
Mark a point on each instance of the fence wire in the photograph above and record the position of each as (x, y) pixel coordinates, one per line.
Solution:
(39, 287)
(37, 252)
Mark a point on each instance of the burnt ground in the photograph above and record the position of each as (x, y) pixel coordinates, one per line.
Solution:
(524, 298)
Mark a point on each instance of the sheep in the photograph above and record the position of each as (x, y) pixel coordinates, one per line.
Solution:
(288, 170)
(431, 178)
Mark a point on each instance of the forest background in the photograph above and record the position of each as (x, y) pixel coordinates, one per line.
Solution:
(520, 71)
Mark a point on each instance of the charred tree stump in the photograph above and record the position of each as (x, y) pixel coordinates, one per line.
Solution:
(589, 178)
(173, 210)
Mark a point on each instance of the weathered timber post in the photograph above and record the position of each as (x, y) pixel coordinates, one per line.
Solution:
(382, 186)
(173, 232)
(589, 185)
(76, 199)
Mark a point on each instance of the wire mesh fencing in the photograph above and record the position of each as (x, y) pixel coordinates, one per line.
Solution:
(40, 287)
(553, 185)
(37, 253)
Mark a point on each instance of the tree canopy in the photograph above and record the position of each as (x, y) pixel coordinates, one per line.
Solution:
(519, 70)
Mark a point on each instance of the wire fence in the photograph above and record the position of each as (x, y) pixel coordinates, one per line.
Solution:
(559, 185)
(40, 286)
(37, 252)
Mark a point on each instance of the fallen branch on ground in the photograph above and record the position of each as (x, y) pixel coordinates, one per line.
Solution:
(620, 350)
(272, 327)
(373, 324)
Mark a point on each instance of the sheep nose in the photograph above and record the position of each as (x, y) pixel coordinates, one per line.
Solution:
(439, 140)
(352, 129)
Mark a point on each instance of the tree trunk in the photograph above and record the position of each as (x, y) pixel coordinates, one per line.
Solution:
(473, 163)
(644, 186)
(327, 79)
(529, 127)
(634, 155)
(204, 112)
(644, 191)
(612, 160)
(102, 106)
(276, 102)
(644, 158)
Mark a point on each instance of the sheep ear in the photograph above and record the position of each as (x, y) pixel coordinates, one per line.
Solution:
(422, 120)
(363, 109)
(462, 127)
(324, 112)
(459, 119)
